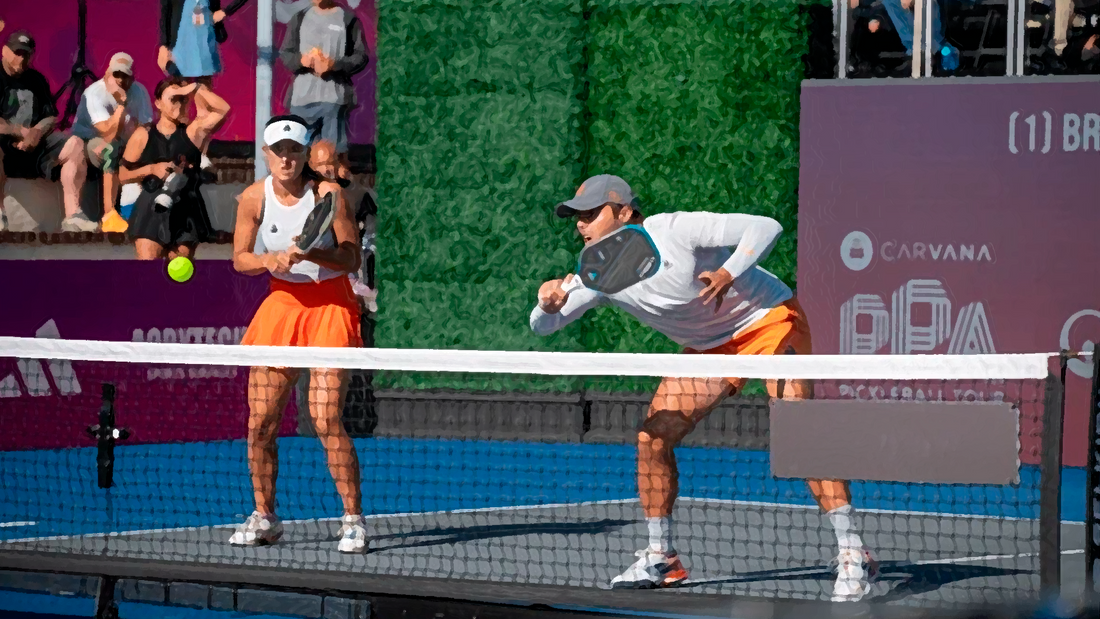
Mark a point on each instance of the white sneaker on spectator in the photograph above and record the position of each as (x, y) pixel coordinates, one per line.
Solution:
(258, 530)
(206, 164)
(353, 535)
(79, 223)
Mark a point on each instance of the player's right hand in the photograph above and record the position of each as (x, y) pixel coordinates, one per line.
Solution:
(551, 295)
(277, 262)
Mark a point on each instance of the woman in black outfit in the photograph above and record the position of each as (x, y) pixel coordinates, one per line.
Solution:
(170, 216)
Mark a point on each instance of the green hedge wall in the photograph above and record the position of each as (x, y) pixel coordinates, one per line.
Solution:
(491, 112)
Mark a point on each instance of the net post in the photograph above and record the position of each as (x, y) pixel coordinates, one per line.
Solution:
(106, 435)
(1092, 485)
(1050, 500)
(105, 605)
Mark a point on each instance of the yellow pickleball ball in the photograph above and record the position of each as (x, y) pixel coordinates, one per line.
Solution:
(180, 269)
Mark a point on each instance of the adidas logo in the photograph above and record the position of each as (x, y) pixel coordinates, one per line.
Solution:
(33, 373)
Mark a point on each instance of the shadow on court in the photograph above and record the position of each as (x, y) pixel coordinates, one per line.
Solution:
(452, 535)
(904, 579)
(916, 579)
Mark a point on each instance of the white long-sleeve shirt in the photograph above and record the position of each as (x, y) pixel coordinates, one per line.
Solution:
(689, 244)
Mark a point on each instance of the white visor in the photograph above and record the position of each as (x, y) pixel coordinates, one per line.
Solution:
(286, 130)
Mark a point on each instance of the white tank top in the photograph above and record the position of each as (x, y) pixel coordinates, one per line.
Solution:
(279, 224)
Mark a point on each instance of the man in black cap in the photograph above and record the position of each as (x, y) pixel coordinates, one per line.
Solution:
(29, 146)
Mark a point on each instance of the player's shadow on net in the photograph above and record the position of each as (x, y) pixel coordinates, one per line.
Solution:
(911, 579)
(904, 579)
(459, 534)
(455, 535)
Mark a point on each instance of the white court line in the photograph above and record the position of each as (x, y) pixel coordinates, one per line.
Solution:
(1078, 551)
(17, 524)
(732, 502)
(860, 510)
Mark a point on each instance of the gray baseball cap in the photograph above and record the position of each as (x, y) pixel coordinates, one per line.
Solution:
(595, 192)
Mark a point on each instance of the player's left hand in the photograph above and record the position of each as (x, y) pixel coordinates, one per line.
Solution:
(294, 255)
(717, 282)
(277, 262)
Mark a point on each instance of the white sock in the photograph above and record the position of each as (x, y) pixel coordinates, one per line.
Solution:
(660, 534)
(845, 528)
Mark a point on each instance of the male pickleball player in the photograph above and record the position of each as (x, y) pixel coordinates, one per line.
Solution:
(710, 300)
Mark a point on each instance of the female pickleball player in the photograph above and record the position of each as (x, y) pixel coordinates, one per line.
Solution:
(310, 304)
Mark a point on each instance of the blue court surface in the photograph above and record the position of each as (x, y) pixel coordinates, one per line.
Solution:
(54, 492)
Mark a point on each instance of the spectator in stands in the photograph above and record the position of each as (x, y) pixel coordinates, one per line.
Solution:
(901, 14)
(1084, 49)
(170, 216)
(1051, 57)
(324, 47)
(190, 31)
(29, 146)
(110, 111)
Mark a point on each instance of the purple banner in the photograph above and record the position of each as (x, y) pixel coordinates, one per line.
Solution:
(953, 217)
(47, 404)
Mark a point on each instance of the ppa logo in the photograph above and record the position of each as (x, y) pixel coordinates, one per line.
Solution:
(36, 373)
(918, 320)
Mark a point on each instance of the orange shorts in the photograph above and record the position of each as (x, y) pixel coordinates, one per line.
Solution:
(323, 314)
(782, 331)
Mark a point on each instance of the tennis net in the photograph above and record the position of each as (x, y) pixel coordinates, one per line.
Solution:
(528, 471)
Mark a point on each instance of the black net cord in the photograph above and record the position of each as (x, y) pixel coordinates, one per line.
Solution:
(1050, 506)
(1092, 485)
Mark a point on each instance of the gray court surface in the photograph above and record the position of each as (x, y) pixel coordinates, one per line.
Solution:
(743, 549)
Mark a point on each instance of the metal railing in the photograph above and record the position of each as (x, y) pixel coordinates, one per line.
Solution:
(1015, 36)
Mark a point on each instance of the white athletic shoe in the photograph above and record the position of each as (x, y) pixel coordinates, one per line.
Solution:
(353, 535)
(856, 570)
(258, 531)
(652, 569)
(79, 223)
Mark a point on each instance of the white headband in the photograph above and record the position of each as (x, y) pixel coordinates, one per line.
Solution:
(286, 130)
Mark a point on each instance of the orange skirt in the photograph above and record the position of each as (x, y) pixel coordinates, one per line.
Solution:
(782, 331)
(323, 314)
